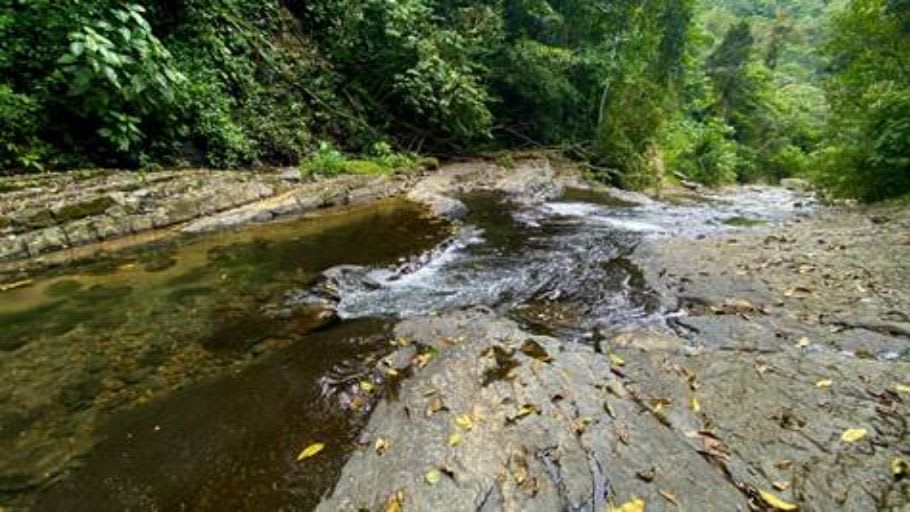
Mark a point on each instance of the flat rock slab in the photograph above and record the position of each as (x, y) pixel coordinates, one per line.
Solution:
(494, 418)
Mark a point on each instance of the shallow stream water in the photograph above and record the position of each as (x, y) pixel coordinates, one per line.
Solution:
(160, 379)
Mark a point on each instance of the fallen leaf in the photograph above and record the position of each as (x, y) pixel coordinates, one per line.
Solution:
(435, 406)
(669, 496)
(799, 292)
(776, 503)
(658, 404)
(636, 505)
(433, 476)
(455, 439)
(465, 422)
(357, 404)
(616, 360)
(781, 485)
(623, 433)
(581, 424)
(421, 360)
(696, 407)
(310, 451)
(367, 386)
(527, 409)
(609, 410)
(395, 501)
(902, 388)
(852, 435)
(534, 350)
(382, 445)
(824, 383)
(783, 464)
(713, 445)
(391, 372)
(803, 342)
(647, 475)
(899, 468)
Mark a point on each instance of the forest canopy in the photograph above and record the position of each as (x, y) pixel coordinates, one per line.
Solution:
(712, 90)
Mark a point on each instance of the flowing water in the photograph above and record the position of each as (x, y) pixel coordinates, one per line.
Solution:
(164, 379)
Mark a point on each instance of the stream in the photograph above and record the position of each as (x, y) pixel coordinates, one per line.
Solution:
(163, 379)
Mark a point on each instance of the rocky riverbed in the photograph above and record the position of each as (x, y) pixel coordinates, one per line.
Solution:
(556, 345)
(778, 380)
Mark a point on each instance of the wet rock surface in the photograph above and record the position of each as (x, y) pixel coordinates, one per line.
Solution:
(780, 378)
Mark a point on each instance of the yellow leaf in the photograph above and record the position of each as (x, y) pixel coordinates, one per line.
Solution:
(776, 503)
(391, 372)
(824, 383)
(526, 409)
(616, 360)
(902, 388)
(581, 424)
(696, 407)
(852, 435)
(464, 421)
(367, 386)
(421, 360)
(382, 445)
(395, 502)
(803, 342)
(310, 451)
(636, 505)
(433, 476)
(899, 468)
(455, 439)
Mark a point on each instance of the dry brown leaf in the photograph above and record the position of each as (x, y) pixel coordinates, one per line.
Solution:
(669, 496)
(435, 405)
(781, 485)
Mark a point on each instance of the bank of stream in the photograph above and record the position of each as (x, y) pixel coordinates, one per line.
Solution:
(185, 375)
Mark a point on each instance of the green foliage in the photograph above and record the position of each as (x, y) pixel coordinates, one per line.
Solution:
(327, 161)
(19, 126)
(383, 160)
(867, 148)
(717, 90)
(702, 151)
(120, 75)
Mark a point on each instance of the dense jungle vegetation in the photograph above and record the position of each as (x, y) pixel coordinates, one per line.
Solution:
(714, 90)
